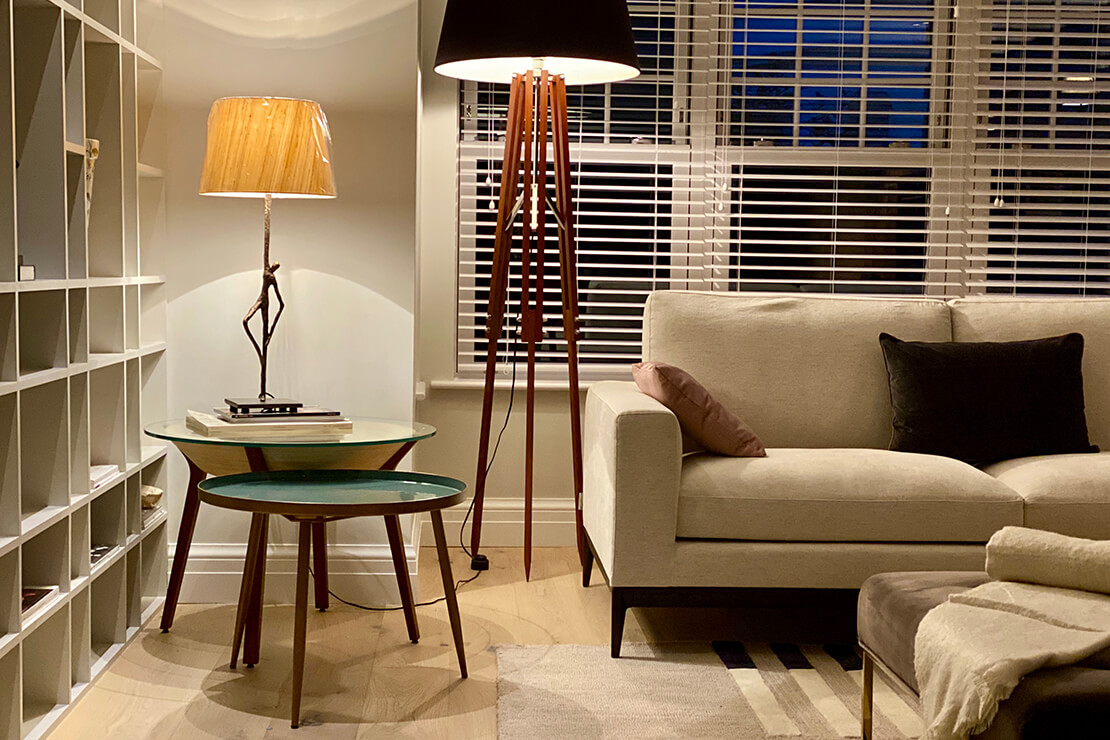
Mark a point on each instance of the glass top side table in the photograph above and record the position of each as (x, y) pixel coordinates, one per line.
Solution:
(372, 444)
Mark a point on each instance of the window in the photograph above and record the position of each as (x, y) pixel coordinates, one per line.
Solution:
(920, 147)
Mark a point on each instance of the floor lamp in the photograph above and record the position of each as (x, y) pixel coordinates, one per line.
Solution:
(538, 48)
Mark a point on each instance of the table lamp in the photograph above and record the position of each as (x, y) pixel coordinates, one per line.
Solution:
(267, 148)
(538, 49)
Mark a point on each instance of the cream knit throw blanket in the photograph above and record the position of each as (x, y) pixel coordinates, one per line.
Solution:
(971, 651)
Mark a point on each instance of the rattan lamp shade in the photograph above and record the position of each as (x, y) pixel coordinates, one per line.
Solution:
(268, 146)
(585, 41)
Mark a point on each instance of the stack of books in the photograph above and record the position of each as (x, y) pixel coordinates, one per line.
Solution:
(239, 421)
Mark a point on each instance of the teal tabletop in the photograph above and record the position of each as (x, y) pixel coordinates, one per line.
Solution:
(333, 493)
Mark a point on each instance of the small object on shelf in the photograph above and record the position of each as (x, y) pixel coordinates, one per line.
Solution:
(304, 412)
(26, 272)
(212, 426)
(150, 496)
(97, 553)
(35, 599)
(92, 153)
(149, 514)
(272, 406)
(98, 474)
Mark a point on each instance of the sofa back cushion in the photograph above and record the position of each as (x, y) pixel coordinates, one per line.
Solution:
(800, 371)
(1006, 319)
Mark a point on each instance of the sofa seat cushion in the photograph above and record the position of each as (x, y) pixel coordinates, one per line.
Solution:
(1069, 494)
(841, 495)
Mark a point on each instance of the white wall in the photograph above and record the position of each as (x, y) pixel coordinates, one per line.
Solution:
(454, 408)
(348, 265)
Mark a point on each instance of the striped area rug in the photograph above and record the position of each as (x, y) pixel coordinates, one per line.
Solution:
(724, 690)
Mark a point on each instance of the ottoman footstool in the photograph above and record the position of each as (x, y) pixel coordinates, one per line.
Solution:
(1067, 702)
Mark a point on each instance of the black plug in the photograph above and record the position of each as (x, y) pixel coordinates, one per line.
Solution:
(479, 562)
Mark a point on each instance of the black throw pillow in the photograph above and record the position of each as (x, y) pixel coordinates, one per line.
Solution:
(982, 402)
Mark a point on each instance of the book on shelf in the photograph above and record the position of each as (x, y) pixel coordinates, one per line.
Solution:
(304, 413)
(209, 425)
(97, 553)
(35, 599)
(100, 473)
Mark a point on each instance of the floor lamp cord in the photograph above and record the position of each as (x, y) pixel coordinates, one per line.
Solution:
(478, 562)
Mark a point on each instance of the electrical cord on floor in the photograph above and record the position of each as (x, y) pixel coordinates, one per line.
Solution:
(462, 528)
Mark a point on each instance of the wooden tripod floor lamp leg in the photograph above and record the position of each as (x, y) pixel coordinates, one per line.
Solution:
(535, 98)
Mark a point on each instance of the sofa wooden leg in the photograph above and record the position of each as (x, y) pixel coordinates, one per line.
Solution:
(868, 689)
(619, 608)
(587, 566)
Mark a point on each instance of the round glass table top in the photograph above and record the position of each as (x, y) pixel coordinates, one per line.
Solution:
(333, 493)
(364, 431)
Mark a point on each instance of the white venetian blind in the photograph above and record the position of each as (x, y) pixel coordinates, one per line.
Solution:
(838, 149)
(1040, 211)
(917, 147)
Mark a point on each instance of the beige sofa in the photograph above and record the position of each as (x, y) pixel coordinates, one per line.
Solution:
(829, 505)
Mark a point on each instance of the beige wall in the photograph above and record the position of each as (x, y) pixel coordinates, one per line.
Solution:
(456, 412)
(348, 265)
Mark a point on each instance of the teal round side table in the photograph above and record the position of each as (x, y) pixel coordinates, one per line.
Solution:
(313, 497)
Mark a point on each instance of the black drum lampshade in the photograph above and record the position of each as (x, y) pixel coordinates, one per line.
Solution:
(586, 41)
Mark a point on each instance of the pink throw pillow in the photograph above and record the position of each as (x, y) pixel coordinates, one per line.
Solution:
(702, 418)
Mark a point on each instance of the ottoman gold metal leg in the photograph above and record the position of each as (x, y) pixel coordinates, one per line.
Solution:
(868, 687)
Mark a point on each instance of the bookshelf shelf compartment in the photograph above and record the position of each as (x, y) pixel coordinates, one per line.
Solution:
(107, 612)
(81, 662)
(7, 163)
(80, 543)
(74, 39)
(9, 595)
(39, 133)
(42, 331)
(10, 695)
(45, 563)
(46, 665)
(45, 481)
(103, 122)
(104, 12)
(78, 326)
(79, 435)
(106, 322)
(107, 414)
(9, 467)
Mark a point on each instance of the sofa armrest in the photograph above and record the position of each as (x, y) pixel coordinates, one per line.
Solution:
(632, 467)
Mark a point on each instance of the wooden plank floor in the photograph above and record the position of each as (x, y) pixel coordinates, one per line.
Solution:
(364, 679)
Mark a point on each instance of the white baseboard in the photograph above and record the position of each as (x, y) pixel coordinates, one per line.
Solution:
(503, 523)
(364, 573)
(360, 573)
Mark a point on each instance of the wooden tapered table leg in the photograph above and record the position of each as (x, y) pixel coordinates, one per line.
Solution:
(253, 629)
(320, 564)
(245, 589)
(400, 565)
(449, 588)
(184, 541)
(300, 619)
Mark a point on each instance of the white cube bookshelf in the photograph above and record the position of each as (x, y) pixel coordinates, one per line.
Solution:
(82, 363)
